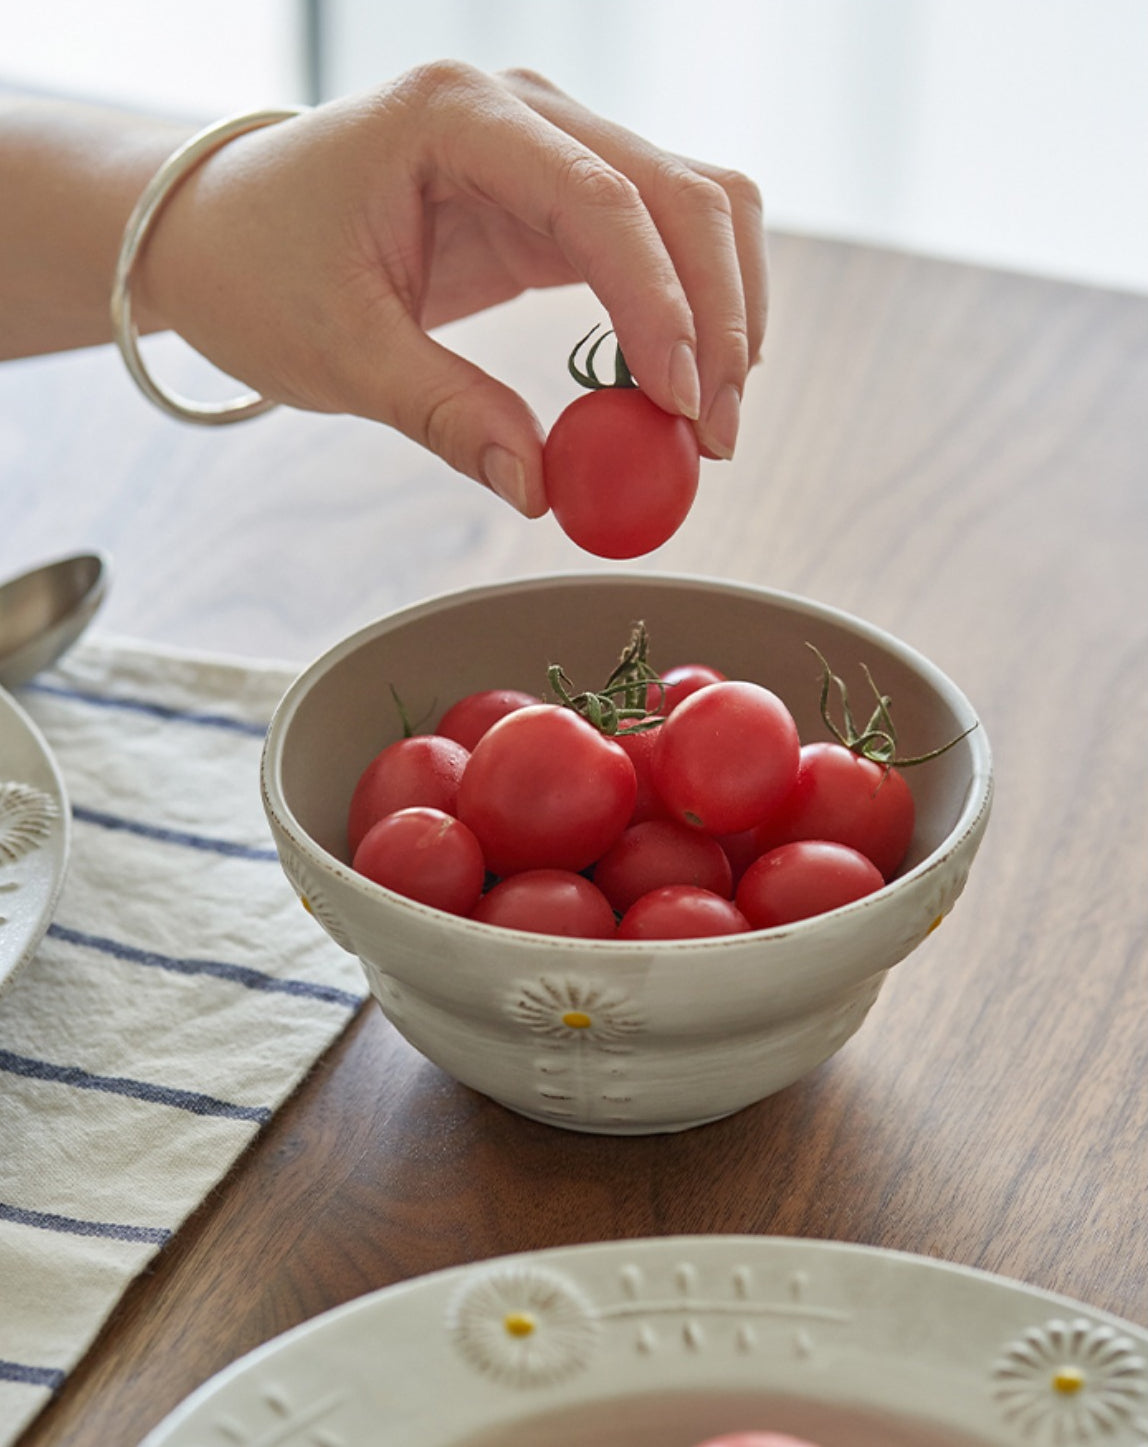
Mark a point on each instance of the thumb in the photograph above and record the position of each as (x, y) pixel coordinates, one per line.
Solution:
(479, 426)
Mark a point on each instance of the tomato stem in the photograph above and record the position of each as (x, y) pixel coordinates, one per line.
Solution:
(586, 375)
(404, 717)
(622, 699)
(877, 741)
(409, 729)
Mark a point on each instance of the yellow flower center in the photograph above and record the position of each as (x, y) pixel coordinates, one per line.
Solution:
(1068, 1380)
(577, 1020)
(518, 1323)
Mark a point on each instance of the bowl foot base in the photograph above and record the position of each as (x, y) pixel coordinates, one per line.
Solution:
(621, 1128)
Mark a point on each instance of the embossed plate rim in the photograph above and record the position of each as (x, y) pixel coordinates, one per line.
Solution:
(27, 759)
(436, 1361)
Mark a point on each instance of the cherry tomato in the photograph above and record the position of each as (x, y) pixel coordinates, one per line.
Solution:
(422, 770)
(741, 850)
(638, 745)
(678, 683)
(467, 720)
(620, 473)
(657, 852)
(797, 881)
(726, 757)
(549, 901)
(545, 790)
(680, 912)
(427, 855)
(841, 796)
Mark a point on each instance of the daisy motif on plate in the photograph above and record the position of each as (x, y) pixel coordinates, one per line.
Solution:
(523, 1325)
(1071, 1382)
(567, 1011)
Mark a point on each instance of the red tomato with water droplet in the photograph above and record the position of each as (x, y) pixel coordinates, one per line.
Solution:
(421, 771)
(467, 720)
(678, 683)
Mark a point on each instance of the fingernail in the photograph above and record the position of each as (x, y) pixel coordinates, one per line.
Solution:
(684, 382)
(504, 474)
(722, 421)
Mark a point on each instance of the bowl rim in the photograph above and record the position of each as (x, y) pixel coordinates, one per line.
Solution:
(974, 809)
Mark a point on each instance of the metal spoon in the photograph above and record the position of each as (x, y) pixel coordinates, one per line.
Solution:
(44, 611)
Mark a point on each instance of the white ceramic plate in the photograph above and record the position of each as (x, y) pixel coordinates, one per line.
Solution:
(34, 834)
(667, 1342)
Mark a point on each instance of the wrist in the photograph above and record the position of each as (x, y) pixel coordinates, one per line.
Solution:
(127, 311)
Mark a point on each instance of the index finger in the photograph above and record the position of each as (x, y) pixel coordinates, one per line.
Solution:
(710, 221)
(507, 153)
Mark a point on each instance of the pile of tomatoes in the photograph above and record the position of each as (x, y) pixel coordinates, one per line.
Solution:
(677, 805)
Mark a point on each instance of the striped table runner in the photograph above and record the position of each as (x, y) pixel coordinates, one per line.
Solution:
(179, 995)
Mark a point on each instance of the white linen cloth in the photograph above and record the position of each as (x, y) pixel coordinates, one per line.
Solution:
(179, 996)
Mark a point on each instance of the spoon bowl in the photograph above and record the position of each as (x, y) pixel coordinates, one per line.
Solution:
(44, 611)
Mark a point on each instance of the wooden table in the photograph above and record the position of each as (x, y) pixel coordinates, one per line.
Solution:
(956, 455)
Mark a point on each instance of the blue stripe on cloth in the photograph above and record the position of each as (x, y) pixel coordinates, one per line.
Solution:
(156, 710)
(240, 974)
(50, 1377)
(171, 836)
(72, 1075)
(73, 1226)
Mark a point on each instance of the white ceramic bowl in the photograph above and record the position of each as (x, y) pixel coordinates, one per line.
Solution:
(681, 1032)
(665, 1343)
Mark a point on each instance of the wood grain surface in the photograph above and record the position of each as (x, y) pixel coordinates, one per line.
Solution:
(955, 454)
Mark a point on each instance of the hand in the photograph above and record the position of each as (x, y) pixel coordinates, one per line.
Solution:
(309, 259)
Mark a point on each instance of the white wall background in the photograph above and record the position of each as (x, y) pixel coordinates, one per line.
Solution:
(1010, 132)
(197, 59)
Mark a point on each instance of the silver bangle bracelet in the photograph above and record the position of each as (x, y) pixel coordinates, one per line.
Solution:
(155, 196)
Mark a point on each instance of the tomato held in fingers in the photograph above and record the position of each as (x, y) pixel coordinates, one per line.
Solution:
(545, 790)
(797, 881)
(620, 474)
(681, 912)
(423, 770)
(726, 757)
(840, 795)
(550, 902)
(427, 855)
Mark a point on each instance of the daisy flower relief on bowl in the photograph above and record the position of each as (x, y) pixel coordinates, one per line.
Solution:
(313, 901)
(26, 816)
(523, 1325)
(1069, 1382)
(568, 1011)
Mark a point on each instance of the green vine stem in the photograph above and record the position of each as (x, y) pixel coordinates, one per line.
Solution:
(622, 699)
(877, 741)
(410, 730)
(586, 375)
